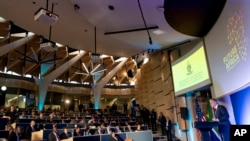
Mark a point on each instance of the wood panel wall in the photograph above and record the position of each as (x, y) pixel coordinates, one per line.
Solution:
(154, 89)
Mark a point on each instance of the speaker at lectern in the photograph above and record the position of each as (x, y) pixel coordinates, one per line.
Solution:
(205, 128)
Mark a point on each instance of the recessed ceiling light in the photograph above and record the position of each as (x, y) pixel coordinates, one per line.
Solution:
(158, 32)
(1, 37)
(2, 20)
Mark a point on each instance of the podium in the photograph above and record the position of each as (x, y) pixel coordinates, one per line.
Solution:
(205, 128)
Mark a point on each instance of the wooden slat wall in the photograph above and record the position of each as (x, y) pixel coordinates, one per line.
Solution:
(155, 89)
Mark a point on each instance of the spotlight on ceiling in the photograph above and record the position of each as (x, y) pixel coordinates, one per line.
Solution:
(3, 88)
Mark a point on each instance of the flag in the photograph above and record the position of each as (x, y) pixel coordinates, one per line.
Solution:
(209, 114)
(199, 114)
(200, 117)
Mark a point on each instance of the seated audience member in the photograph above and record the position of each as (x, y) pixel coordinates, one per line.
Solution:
(52, 115)
(23, 115)
(12, 134)
(31, 128)
(99, 130)
(92, 120)
(73, 121)
(83, 124)
(41, 116)
(65, 134)
(33, 115)
(77, 132)
(54, 123)
(128, 128)
(91, 125)
(20, 133)
(53, 136)
(87, 132)
(138, 128)
(63, 120)
(117, 129)
(113, 137)
(108, 130)
(43, 126)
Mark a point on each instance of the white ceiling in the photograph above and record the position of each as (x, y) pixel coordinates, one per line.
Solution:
(75, 28)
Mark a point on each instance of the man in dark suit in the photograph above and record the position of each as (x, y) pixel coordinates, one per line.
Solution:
(53, 136)
(29, 129)
(12, 134)
(153, 119)
(125, 108)
(162, 121)
(20, 133)
(221, 115)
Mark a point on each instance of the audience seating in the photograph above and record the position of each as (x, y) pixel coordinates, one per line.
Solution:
(4, 134)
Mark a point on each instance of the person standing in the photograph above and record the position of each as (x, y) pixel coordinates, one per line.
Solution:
(125, 108)
(162, 121)
(146, 116)
(11, 115)
(221, 115)
(153, 119)
(169, 128)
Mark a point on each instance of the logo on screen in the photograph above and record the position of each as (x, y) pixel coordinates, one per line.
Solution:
(189, 68)
(237, 41)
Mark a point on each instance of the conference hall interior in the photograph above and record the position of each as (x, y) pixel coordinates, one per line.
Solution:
(89, 65)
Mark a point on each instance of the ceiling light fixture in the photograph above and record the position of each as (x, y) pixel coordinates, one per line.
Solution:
(158, 32)
(4, 88)
(94, 56)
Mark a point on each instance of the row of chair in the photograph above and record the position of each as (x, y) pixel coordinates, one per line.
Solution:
(136, 136)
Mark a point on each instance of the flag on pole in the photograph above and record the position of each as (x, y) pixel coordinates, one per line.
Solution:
(199, 114)
(210, 114)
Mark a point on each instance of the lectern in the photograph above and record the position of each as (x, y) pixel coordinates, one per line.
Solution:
(205, 128)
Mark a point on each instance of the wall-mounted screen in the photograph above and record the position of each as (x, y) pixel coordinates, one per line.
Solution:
(190, 71)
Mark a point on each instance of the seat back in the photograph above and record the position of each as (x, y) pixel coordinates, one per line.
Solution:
(128, 139)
